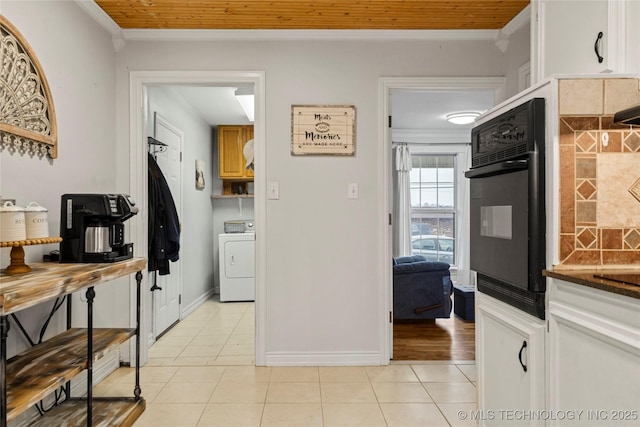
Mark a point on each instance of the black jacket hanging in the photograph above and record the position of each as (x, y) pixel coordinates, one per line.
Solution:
(164, 225)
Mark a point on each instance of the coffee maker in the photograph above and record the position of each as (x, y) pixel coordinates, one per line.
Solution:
(92, 227)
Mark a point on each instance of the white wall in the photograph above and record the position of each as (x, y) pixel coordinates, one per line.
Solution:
(80, 68)
(516, 55)
(323, 275)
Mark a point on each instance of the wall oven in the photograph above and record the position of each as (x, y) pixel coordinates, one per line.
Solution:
(507, 180)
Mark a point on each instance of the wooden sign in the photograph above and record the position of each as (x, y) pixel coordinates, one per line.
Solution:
(323, 130)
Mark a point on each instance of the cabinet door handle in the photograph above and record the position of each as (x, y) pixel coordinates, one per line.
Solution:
(595, 47)
(524, 345)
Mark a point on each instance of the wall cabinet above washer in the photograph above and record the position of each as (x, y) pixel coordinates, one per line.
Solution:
(231, 143)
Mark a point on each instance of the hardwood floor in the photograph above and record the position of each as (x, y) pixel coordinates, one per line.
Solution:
(442, 339)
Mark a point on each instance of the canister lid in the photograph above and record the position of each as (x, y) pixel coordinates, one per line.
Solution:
(10, 207)
(35, 207)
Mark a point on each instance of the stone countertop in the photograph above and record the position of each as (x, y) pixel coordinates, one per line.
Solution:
(586, 277)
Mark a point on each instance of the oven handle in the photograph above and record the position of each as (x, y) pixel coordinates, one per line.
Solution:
(498, 168)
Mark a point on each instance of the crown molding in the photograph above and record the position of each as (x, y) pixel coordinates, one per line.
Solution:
(100, 16)
(521, 20)
(282, 35)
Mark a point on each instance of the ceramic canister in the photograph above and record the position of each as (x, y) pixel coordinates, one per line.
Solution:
(36, 220)
(12, 223)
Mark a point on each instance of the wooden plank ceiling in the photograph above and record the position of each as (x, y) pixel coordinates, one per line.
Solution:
(313, 15)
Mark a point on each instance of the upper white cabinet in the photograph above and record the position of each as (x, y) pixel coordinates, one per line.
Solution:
(583, 36)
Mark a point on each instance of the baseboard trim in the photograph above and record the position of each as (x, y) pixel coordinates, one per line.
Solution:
(187, 310)
(323, 359)
(101, 370)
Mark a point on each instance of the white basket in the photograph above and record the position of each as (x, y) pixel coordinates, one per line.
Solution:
(234, 226)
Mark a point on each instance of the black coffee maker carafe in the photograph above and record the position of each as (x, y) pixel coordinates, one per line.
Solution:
(92, 227)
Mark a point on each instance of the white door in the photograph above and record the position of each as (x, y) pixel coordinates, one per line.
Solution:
(166, 301)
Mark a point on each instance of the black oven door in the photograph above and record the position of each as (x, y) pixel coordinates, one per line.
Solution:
(507, 233)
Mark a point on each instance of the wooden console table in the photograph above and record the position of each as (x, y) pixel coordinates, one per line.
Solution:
(30, 376)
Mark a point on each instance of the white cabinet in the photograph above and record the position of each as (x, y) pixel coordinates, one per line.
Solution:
(583, 364)
(594, 363)
(510, 355)
(231, 142)
(566, 35)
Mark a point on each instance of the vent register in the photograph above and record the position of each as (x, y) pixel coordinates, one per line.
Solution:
(498, 156)
(505, 139)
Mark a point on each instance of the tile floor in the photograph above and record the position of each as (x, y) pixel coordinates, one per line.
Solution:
(201, 373)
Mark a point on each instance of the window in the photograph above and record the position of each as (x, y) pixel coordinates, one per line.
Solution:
(433, 206)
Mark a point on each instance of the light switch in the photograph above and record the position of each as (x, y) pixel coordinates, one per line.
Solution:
(274, 190)
(352, 190)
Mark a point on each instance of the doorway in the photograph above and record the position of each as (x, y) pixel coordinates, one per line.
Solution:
(139, 81)
(389, 86)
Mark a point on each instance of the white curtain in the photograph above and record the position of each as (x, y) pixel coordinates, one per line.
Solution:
(464, 274)
(402, 202)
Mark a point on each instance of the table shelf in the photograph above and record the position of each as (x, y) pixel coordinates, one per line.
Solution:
(107, 412)
(48, 281)
(37, 372)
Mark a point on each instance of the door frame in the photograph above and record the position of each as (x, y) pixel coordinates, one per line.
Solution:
(385, 86)
(138, 81)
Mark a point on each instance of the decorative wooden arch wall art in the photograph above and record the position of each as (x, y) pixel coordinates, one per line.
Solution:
(27, 116)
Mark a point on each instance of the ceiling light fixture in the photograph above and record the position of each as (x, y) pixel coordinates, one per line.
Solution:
(463, 118)
(244, 96)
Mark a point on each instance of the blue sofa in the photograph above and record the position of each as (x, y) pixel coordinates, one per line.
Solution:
(421, 289)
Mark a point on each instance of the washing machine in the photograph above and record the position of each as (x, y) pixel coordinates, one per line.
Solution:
(237, 266)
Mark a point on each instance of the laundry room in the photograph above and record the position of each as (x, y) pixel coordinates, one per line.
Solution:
(233, 212)
(211, 131)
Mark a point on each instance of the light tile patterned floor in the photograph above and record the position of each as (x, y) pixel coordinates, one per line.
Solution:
(202, 373)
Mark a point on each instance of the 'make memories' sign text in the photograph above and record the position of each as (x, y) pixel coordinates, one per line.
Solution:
(323, 129)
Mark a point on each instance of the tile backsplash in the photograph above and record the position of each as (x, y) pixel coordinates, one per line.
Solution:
(599, 174)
